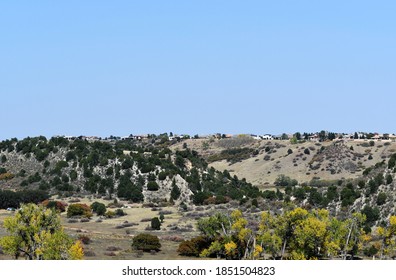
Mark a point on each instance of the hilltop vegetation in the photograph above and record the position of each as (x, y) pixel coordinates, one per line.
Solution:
(133, 170)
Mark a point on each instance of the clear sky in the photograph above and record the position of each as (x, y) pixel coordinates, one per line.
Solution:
(120, 67)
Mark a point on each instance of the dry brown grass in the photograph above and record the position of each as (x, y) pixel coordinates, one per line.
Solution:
(263, 173)
(105, 235)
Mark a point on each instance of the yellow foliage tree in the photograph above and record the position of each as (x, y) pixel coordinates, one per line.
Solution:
(387, 236)
(36, 234)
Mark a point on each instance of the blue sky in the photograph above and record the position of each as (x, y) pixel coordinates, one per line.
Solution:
(119, 67)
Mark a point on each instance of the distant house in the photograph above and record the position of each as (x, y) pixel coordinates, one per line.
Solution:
(267, 137)
(361, 135)
(313, 138)
(139, 137)
(92, 138)
(255, 137)
(347, 136)
(392, 137)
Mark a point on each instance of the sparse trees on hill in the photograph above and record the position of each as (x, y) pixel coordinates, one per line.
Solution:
(284, 181)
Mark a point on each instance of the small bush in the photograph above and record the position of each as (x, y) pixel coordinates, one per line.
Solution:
(152, 186)
(110, 214)
(89, 253)
(79, 209)
(193, 247)
(98, 208)
(113, 248)
(120, 212)
(155, 223)
(370, 251)
(381, 199)
(84, 239)
(162, 175)
(57, 205)
(146, 242)
(6, 176)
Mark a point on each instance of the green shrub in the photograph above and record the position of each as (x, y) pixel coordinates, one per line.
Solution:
(283, 181)
(110, 214)
(152, 186)
(120, 212)
(79, 209)
(175, 192)
(98, 208)
(155, 223)
(73, 175)
(372, 214)
(193, 247)
(162, 175)
(146, 242)
(381, 199)
(389, 179)
(392, 161)
(370, 251)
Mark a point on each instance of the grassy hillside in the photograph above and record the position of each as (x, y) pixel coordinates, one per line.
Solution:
(261, 161)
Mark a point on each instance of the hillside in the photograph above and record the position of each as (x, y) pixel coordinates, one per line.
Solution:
(191, 180)
(261, 161)
(141, 171)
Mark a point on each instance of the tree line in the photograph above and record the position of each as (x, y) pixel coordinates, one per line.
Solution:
(296, 234)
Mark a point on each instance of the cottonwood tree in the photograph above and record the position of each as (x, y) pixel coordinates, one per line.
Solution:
(310, 236)
(287, 224)
(355, 234)
(267, 239)
(387, 235)
(36, 234)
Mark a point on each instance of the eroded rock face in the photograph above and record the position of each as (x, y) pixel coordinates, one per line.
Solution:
(165, 187)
